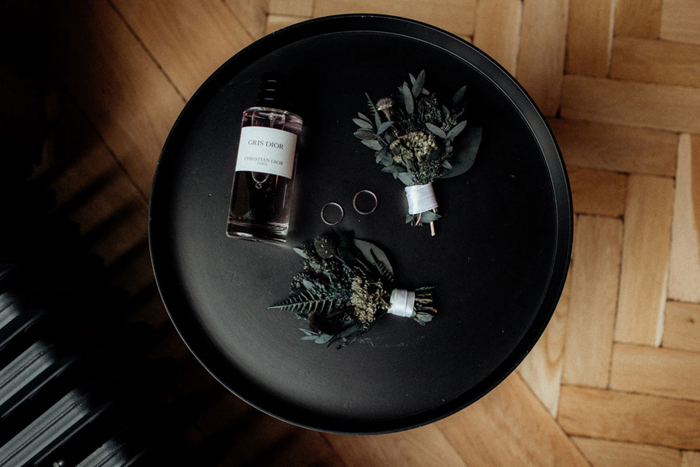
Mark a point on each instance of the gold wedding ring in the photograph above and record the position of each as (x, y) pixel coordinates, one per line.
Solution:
(354, 202)
(323, 213)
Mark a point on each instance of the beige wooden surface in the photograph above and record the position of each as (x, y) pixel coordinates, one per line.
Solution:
(591, 321)
(497, 31)
(590, 36)
(646, 250)
(615, 380)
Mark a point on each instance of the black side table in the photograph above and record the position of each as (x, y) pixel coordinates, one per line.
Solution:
(499, 259)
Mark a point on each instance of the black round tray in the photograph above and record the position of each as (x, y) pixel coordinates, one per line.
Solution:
(499, 259)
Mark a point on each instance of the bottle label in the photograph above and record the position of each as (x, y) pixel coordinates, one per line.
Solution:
(266, 150)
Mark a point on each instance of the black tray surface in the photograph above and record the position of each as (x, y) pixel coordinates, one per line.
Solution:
(499, 259)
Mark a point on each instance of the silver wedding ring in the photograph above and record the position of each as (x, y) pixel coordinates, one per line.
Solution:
(354, 202)
(323, 213)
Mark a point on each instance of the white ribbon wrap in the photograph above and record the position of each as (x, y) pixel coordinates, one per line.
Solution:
(401, 302)
(421, 198)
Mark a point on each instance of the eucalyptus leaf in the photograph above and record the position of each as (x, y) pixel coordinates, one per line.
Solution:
(323, 338)
(387, 137)
(409, 218)
(347, 332)
(364, 117)
(457, 129)
(384, 159)
(447, 165)
(445, 112)
(406, 178)
(465, 152)
(459, 96)
(383, 127)
(372, 144)
(407, 98)
(423, 317)
(309, 338)
(372, 252)
(436, 154)
(300, 252)
(364, 134)
(363, 123)
(437, 131)
(394, 169)
(429, 216)
(418, 84)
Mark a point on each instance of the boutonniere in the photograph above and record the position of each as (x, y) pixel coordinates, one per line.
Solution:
(418, 140)
(345, 286)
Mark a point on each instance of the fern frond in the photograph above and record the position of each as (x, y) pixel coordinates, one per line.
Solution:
(384, 273)
(375, 112)
(305, 302)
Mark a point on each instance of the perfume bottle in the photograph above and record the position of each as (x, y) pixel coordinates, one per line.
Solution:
(261, 196)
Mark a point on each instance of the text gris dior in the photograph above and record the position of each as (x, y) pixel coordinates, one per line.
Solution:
(267, 144)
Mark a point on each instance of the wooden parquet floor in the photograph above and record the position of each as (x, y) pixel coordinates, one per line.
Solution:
(615, 379)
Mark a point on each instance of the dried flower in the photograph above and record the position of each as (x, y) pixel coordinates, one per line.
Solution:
(384, 105)
(415, 144)
(367, 298)
(326, 246)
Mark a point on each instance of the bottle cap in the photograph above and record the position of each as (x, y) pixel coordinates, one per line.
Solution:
(273, 91)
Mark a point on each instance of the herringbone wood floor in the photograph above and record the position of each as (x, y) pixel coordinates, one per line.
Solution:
(615, 380)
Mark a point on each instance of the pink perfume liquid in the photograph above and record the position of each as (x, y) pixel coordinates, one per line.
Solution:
(261, 196)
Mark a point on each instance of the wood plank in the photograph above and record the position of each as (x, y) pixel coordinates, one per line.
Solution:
(589, 329)
(542, 51)
(597, 192)
(426, 445)
(645, 259)
(638, 18)
(94, 191)
(616, 148)
(456, 16)
(597, 413)
(664, 107)
(291, 7)
(660, 372)
(682, 326)
(277, 22)
(127, 98)
(543, 366)
(189, 40)
(654, 61)
(691, 459)
(590, 37)
(604, 453)
(497, 31)
(680, 21)
(684, 274)
(251, 15)
(498, 430)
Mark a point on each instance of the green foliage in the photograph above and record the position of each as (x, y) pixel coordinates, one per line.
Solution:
(326, 294)
(311, 300)
(421, 120)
